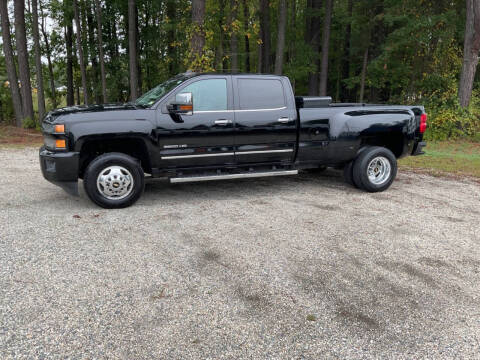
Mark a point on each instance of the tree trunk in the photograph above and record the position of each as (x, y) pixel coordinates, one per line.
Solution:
(81, 60)
(265, 35)
(364, 74)
(38, 62)
(172, 52)
(219, 52)
(23, 66)
(69, 46)
(282, 24)
(10, 64)
(139, 51)
(470, 52)
(247, 40)
(92, 49)
(132, 49)
(312, 37)
(101, 55)
(198, 37)
(325, 45)
(345, 93)
(233, 37)
(49, 59)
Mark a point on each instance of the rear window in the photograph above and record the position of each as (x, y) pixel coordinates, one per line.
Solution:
(260, 94)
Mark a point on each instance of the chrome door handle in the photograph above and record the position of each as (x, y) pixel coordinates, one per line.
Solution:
(223, 122)
(283, 120)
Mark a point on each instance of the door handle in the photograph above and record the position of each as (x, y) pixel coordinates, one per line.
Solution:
(283, 120)
(223, 122)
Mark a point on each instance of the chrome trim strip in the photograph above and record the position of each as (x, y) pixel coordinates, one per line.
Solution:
(231, 111)
(262, 152)
(226, 154)
(195, 156)
(233, 176)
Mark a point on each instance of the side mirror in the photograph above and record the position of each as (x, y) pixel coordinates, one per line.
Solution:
(183, 104)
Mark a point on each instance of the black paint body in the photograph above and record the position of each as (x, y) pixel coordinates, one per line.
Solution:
(170, 144)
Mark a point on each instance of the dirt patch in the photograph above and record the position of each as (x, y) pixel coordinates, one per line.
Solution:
(14, 136)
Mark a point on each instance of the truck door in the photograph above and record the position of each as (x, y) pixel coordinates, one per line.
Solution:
(265, 120)
(204, 137)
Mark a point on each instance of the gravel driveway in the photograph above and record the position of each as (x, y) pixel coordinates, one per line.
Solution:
(277, 268)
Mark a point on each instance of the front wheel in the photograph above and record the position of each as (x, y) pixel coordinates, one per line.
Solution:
(114, 180)
(375, 169)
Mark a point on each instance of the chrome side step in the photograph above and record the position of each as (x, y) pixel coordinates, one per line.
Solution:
(232, 176)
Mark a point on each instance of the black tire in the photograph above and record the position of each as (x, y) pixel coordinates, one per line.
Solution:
(348, 174)
(361, 164)
(100, 164)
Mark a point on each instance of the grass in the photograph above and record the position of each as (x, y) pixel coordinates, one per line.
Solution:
(458, 158)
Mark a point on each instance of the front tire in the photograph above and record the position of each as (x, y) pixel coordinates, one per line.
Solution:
(114, 180)
(375, 169)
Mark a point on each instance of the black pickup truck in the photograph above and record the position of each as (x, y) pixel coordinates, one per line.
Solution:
(197, 127)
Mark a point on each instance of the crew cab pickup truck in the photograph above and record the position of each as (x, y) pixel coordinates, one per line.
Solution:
(197, 127)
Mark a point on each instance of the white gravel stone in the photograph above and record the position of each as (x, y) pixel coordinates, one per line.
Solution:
(278, 268)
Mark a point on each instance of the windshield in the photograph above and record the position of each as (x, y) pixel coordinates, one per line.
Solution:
(152, 96)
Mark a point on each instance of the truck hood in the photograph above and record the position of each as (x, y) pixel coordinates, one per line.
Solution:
(91, 108)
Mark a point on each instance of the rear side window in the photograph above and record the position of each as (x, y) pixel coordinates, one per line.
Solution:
(208, 95)
(260, 94)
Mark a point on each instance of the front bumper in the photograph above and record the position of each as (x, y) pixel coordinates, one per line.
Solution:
(417, 150)
(61, 169)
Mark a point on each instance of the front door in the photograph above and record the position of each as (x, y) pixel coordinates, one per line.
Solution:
(265, 120)
(204, 137)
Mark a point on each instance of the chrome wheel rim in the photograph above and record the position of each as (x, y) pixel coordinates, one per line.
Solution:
(379, 170)
(115, 182)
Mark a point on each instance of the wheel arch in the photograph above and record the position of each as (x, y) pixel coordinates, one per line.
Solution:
(130, 145)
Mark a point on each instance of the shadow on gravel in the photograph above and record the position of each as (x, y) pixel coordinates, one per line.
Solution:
(238, 188)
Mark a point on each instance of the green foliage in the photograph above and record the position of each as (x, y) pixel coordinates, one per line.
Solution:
(415, 50)
(29, 123)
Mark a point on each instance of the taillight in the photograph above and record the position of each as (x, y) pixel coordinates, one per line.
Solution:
(423, 123)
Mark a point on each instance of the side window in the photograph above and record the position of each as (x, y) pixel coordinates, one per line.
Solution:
(260, 94)
(208, 95)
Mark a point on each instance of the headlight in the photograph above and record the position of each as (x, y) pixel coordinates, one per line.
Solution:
(60, 129)
(53, 143)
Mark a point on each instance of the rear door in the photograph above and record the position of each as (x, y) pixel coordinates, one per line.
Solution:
(265, 119)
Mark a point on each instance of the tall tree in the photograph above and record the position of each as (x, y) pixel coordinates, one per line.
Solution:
(363, 74)
(233, 36)
(101, 55)
(265, 35)
(282, 24)
(69, 47)
(345, 93)
(38, 61)
(132, 49)
(325, 45)
(10, 64)
(471, 49)
(81, 60)
(312, 38)
(49, 58)
(247, 40)
(219, 51)
(198, 37)
(23, 65)
(92, 50)
(172, 50)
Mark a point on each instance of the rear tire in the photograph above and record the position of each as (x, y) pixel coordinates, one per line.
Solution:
(114, 180)
(348, 174)
(375, 169)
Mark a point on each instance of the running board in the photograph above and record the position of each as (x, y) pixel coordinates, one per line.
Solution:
(232, 176)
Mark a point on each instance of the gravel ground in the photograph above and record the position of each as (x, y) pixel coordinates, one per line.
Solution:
(294, 267)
